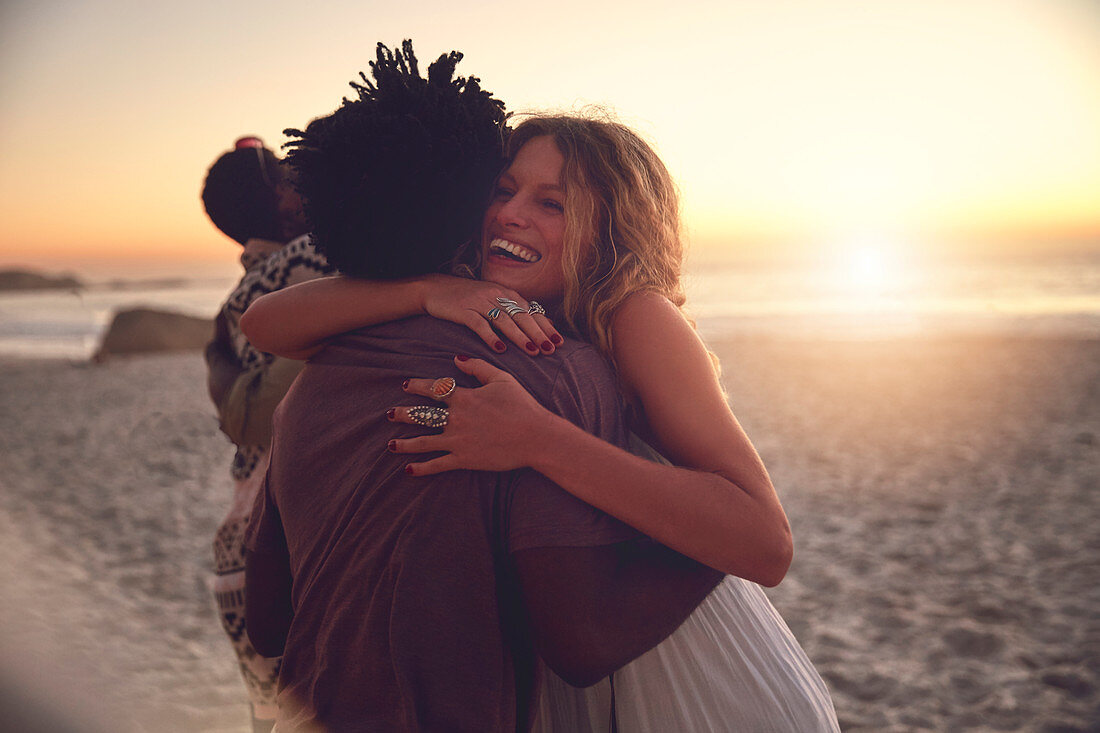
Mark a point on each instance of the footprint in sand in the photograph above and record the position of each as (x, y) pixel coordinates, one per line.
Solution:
(973, 643)
(969, 686)
(1070, 682)
(864, 686)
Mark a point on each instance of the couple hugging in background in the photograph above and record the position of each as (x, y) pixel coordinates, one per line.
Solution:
(459, 534)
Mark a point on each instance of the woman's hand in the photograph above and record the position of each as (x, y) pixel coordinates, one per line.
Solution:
(471, 302)
(490, 428)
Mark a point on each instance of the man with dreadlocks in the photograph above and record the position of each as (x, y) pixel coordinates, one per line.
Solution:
(415, 604)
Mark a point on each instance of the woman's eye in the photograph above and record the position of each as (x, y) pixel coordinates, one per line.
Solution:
(502, 192)
(553, 205)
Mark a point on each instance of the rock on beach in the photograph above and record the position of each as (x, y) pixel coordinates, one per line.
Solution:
(26, 280)
(144, 330)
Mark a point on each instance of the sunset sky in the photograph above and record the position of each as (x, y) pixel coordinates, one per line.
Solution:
(797, 129)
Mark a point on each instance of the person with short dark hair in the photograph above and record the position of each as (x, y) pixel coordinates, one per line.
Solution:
(248, 195)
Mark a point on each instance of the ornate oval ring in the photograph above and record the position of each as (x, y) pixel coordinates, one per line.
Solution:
(536, 307)
(443, 388)
(429, 416)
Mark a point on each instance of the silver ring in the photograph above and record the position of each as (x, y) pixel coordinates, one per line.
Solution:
(506, 301)
(536, 308)
(513, 310)
(443, 387)
(493, 314)
(429, 416)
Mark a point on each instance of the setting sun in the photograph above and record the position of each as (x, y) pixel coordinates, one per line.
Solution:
(869, 266)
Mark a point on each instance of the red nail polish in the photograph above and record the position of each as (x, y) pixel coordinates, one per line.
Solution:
(499, 346)
(531, 346)
(392, 446)
(555, 338)
(409, 469)
(546, 346)
(462, 357)
(405, 384)
(390, 413)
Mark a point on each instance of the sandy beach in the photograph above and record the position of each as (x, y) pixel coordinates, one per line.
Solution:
(943, 494)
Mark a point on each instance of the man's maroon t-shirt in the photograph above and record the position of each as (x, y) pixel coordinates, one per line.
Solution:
(398, 580)
(406, 611)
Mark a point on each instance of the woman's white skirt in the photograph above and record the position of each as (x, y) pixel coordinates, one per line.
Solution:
(732, 666)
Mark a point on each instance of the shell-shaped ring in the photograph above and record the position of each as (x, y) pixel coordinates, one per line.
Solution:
(536, 307)
(430, 416)
(493, 314)
(443, 388)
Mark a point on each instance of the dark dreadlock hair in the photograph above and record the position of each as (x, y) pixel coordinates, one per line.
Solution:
(395, 181)
(239, 193)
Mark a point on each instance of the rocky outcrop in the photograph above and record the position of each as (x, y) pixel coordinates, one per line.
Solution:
(26, 280)
(143, 330)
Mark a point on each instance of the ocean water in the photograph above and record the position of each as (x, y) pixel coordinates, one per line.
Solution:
(1035, 299)
(1059, 299)
(68, 324)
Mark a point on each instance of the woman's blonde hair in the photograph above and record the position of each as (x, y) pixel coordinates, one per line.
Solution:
(622, 209)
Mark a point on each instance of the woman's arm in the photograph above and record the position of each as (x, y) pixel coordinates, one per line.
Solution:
(719, 508)
(296, 321)
(729, 506)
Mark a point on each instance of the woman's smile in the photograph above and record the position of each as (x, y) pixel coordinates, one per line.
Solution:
(513, 251)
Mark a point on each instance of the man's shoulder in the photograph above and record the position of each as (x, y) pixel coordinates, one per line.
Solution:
(416, 342)
(581, 360)
(575, 382)
(414, 335)
(575, 367)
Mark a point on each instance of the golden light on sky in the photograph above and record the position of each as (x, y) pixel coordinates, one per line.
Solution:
(792, 126)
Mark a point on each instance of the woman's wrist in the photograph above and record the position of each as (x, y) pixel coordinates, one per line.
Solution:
(545, 451)
(421, 287)
(433, 286)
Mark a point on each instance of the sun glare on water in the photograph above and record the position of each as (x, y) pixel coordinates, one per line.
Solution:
(869, 267)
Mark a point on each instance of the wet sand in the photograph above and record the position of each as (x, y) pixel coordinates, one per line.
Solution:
(943, 493)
